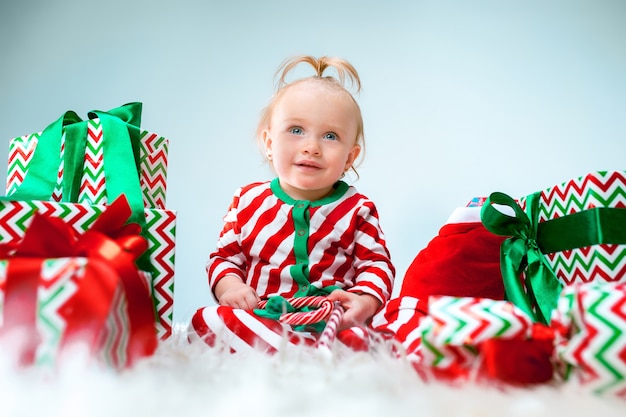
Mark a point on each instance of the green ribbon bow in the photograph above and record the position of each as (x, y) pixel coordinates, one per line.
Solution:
(529, 240)
(520, 253)
(120, 126)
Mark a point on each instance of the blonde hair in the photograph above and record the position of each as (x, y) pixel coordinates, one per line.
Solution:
(345, 72)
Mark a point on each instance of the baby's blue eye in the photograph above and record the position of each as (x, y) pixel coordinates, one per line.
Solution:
(330, 136)
(296, 130)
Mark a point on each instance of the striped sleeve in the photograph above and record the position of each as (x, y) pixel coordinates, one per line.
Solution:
(372, 262)
(401, 317)
(228, 257)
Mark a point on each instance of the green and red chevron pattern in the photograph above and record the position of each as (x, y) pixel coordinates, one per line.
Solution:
(153, 152)
(606, 262)
(162, 231)
(59, 282)
(21, 151)
(454, 327)
(591, 322)
(15, 217)
(92, 186)
(114, 338)
(153, 163)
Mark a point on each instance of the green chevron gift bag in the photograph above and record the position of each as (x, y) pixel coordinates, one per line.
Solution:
(570, 233)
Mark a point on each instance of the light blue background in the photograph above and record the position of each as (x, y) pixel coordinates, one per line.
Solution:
(461, 98)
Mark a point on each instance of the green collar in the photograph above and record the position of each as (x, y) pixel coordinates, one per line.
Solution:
(340, 189)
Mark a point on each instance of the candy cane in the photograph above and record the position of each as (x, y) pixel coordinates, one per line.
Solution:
(332, 325)
(326, 310)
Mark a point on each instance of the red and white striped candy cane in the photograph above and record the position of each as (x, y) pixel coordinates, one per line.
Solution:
(323, 309)
(326, 310)
(332, 325)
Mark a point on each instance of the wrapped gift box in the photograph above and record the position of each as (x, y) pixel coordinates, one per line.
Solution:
(590, 324)
(16, 216)
(479, 338)
(566, 234)
(456, 326)
(151, 161)
(61, 289)
(465, 337)
(604, 262)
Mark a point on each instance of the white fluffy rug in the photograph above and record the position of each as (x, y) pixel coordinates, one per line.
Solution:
(188, 380)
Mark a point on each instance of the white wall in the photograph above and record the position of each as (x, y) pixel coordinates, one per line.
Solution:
(461, 98)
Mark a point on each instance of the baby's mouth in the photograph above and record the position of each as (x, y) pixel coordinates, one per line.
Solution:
(307, 165)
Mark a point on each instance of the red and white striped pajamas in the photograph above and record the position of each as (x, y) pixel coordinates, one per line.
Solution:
(294, 248)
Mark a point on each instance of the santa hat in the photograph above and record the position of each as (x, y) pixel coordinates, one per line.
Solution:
(463, 260)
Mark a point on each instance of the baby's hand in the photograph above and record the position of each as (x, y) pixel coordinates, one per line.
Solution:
(231, 291)
(359, 307)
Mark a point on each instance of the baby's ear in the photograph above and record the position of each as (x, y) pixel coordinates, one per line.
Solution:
(267, 143)
(266, 138)
(352, 156)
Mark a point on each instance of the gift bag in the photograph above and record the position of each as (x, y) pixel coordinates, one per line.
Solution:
(74, 167)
